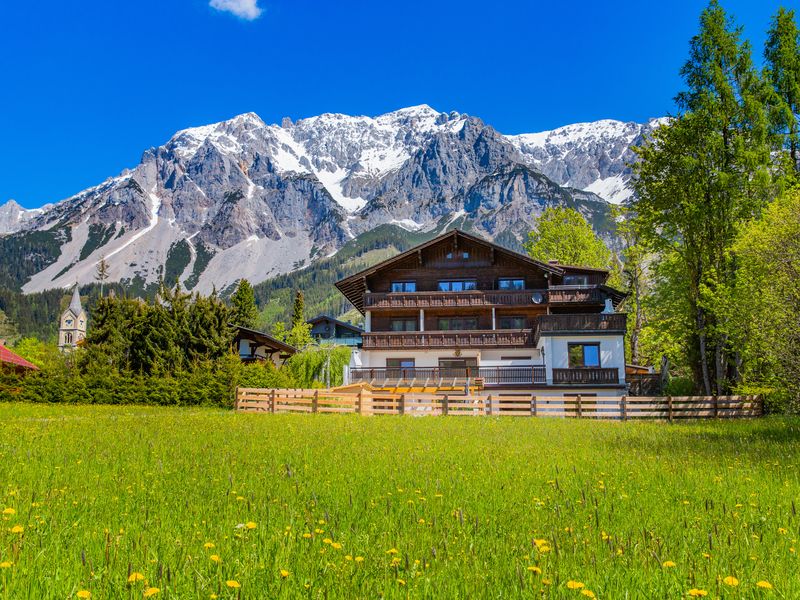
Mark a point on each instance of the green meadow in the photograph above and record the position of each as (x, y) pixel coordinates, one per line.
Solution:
(131, 502)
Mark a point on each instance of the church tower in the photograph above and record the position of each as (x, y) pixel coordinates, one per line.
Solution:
(72, 327)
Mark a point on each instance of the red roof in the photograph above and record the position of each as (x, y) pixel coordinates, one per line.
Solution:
(7, 356)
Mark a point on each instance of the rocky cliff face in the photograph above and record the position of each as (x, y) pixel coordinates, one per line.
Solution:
(13, 216)
(242, 198)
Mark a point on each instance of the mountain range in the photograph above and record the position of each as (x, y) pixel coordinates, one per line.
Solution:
(242, 198)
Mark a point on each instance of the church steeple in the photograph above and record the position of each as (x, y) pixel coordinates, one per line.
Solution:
(72, 327)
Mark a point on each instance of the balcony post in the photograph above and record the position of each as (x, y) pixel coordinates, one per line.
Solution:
(494, 319)
(368, 321)
(421, 319)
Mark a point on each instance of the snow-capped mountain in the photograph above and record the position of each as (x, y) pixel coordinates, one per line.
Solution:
(242, 198)
(13, 216)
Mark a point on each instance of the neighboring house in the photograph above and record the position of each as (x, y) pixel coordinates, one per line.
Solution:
(13, 361)
(325, 328)
(72, 326)
(256, 345)
(460, 306)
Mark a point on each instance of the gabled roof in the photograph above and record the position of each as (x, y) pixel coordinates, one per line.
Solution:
(353, 287)
(12, 358)
(350, 326)
(264, 339)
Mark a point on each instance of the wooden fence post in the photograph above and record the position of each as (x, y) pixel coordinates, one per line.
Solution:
(489, 406)
(445, 405)
(623, 406)
(272, 401)
(669, 408)
(402, 407)
(580, 408)
(360, 400)
(715, 400)
(534, 408)
(315, 402)
(236, 400)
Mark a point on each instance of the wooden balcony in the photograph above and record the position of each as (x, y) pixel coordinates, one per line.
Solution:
(416, 300)
(407, 340)
(579, 323)
(429, 376)
(571, 294)
(586, 376)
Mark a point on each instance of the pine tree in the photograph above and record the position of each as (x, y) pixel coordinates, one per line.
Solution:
(702, 176)
(101, 273)
(245, 312)
(782, 54)
(299, 309)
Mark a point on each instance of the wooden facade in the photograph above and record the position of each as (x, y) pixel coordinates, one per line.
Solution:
(463, 301)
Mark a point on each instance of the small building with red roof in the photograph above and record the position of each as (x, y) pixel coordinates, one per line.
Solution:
(9, 359)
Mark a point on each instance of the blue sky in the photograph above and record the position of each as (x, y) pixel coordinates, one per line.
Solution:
(87, 86)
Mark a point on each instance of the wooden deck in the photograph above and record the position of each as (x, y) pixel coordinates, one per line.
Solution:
(366, 402)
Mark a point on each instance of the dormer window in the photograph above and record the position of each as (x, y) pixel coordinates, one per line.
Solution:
(463, 255)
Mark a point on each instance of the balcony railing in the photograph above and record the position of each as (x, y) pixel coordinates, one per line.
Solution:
(571, 323)
(340, 341)
(500, 338)
(491, 376)
(573, 294)
(470, 298)
(588, 376)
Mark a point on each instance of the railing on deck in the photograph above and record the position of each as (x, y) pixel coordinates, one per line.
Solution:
(495, 338)
(367, 402)
(525, 375)
(588, 375)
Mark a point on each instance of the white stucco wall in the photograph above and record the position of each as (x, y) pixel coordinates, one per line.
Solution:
(612, 352)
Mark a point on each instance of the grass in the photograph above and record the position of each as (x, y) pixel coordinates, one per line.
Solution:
(328, 506)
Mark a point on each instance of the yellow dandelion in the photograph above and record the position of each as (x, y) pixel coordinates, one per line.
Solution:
(9, 511)
(695, 593)
(6, 564)
(574, 585)
(392, 551)
(327, 541)
(546, 581)
(284, 573)
(764, 585)
(208, 545)
(213, 597)
(17, 529)
(731, 581)
(401, 582)
(84, 594)
(232, 583)
(215, 558)
(135, 576)
(782, 530)
(534, 569)
(588, 593)
(359, 559)
(668, 564)
(348, 557)
(336, 545)
(151, 591)
(251, 525)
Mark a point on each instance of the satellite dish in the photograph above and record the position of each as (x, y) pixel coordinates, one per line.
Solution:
(537, 298)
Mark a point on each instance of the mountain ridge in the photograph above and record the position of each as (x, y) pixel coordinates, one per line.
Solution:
(241, 198)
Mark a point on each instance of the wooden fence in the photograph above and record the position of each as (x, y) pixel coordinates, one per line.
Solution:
(623, 408)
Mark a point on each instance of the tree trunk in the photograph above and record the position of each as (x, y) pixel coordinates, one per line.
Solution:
(701, 333)
(720, 363)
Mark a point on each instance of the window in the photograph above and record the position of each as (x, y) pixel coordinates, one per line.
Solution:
(67, 338)
(456, 367)
(458, 285)
(464, 255)
(399, 363)
(509, 358)
(404, 286)
(403, 324)
(511, 323)
(511, 284)
(458, 323)
(584, 356)
(576, 280)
